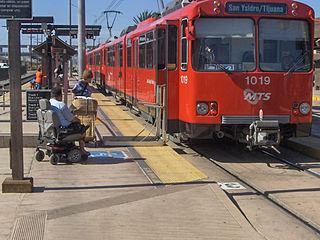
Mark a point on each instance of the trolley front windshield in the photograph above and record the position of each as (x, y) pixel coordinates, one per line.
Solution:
(284, 45)
(224, 43)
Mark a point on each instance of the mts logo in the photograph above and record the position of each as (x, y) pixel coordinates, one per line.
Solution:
(254, 98)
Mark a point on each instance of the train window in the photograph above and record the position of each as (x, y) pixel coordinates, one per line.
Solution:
(184, 45)
(224, 44)
(111, 56)
(129, 48)
(134, 46)
(121, 54)
(142, 51)
(90, 59)
(284, 45)
(97, 58)
(149, 49)
(161, 47)
(107, 56)
(173, 48)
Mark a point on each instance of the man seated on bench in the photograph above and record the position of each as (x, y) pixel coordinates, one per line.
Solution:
(66, 117)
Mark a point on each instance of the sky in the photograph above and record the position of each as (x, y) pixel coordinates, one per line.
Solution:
(59, 9)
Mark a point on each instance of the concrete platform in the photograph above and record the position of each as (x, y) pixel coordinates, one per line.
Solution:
(120, 193)
(310, 146)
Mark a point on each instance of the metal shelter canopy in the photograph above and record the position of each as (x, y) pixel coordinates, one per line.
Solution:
(58, 46)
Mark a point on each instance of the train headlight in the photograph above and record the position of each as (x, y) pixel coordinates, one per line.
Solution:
(304, 108)
(202, 108)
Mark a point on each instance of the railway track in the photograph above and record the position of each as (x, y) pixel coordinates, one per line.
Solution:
(266, 193)
(297, 166)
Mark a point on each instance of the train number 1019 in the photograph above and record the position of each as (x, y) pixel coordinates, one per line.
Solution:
(258, 80)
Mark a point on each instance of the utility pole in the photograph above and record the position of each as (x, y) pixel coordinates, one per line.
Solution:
(81, 37)
(30, 51)
(70, 41)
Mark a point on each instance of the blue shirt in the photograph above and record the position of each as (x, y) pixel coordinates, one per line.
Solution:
(82, 89)
(63, 112)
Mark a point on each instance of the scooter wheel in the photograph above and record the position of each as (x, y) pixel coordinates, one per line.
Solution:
(39, 155)
(74, 156)
(54, 159)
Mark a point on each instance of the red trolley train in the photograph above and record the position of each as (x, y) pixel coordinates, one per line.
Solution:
(240, 69)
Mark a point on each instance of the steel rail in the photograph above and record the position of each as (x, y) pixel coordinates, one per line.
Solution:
(266, 194)
(297, 166)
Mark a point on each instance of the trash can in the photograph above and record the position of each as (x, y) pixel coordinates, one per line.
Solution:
(85, 108)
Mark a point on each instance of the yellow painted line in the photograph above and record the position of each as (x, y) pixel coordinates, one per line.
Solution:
(169, 166)
(316, 98)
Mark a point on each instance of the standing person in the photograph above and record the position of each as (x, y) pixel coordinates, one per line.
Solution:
(39, 77)
(67, 119)
(82, 87)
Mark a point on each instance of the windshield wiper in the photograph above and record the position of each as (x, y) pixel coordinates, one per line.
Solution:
(299, 59)
(223, 68)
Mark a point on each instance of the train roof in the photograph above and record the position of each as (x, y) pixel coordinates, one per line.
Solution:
(177, 9)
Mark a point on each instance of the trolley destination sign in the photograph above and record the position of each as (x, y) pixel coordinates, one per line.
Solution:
(256, 8)
(15, 8)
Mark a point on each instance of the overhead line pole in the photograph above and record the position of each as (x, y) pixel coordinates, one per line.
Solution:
(81, 38)
(162, 6)
(70, 41)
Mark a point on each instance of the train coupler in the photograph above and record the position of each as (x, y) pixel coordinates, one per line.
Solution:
(263, 133)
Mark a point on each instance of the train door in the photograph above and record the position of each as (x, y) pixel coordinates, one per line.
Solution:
(167, 73)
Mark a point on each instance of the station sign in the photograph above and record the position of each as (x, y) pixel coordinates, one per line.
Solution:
(256, 8)
(33, 97)
(15, 9)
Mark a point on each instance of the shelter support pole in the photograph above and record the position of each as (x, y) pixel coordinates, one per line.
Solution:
(16, 184)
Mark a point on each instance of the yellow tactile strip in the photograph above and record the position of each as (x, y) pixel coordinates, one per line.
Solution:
(115, 113)
(315, 98)
(169, 166)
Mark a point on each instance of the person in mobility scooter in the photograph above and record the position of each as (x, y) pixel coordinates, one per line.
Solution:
(58, 129)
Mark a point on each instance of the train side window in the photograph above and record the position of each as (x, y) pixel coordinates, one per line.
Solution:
(111, 56)
(184, 45)
(97, 58)
(106, 57)
(173, 47)
(129, 42)
(121, 54)
(134, 53)
(90, 59)
(142, 51)
(149, 49)
(117, 56)
(161, 47)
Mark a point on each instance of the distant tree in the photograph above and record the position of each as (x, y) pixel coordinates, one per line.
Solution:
(144, 16)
